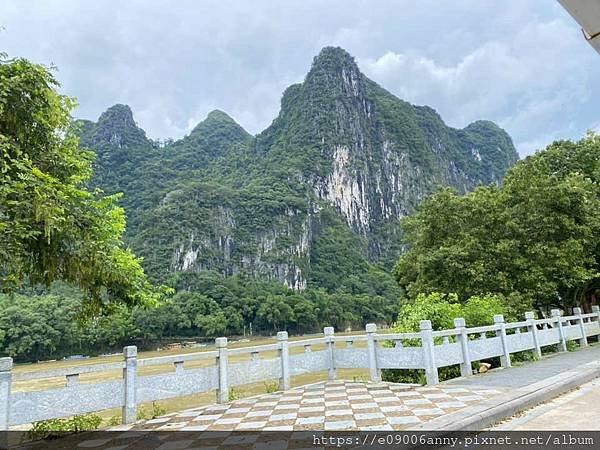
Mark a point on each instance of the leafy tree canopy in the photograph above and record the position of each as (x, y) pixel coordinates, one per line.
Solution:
(441, 309)
(536, 238)
(51, 226)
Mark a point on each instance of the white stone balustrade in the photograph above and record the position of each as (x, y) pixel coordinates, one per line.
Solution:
(427, 350)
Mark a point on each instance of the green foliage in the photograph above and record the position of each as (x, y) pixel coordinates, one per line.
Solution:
(480, 310)
(144, 414)
(534, 240)
(53, 428)
(572, 346)
(234, 394)
(271, 386)
(360, 379)
(441, 310)
(51, 226)
(42, 324)
(42, 327)
(114, 421)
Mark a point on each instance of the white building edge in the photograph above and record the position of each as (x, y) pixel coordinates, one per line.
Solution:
(587, 14)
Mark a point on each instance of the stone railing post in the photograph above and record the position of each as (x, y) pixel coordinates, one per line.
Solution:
(375, 372)
(583, 342)
(466, 370)
(428, 346)
(72, 379)
(129, 413)
(596, 310)
(501, 333)
(284, 355)
(223, 389)
(6, 365)
(328, 332)
(532, 328)
(562, 342)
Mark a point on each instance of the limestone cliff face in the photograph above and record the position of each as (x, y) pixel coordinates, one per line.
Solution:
(220, 199)
(275, 254)
(373, 156)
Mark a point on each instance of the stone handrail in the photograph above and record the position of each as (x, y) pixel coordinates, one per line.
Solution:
(427, 350)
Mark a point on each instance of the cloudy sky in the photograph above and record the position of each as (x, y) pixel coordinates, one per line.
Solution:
(520, 63)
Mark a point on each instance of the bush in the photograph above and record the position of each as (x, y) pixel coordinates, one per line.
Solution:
(441, 310)
(271, 386)
(234, 394)
(155, 412)
(53, 428)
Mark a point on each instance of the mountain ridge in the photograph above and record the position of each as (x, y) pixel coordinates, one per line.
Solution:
(340, 164)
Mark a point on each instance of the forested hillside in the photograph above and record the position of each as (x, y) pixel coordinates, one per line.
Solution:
(311, 201)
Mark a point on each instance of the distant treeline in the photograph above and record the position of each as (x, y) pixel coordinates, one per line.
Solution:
(45, 323)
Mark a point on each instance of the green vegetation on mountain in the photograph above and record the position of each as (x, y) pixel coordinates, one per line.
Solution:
(325, 184)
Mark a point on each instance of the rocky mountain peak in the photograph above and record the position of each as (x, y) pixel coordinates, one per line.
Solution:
(333, 59)
(118, 115)
(215, 118)
(117, 127)
(334, 70)
(217, 128)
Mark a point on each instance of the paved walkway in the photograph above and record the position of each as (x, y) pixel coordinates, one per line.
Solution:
(334, 405)
(564, 412)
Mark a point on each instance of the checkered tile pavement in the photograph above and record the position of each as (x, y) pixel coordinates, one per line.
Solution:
(334, 405)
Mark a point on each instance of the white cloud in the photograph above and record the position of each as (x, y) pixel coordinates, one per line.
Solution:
(521, 64)
(527, 82)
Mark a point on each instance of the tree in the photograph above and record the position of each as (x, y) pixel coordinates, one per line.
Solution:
(536, 237)
(274, 313)
(51, 226)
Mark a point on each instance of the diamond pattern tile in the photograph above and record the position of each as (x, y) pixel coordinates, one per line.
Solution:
(334, 405)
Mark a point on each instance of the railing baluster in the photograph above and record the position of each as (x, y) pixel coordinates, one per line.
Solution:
(501, 333)
(329, 332)
(583, 342)
(556, 314)
(129, 414)
(72, 379)
(428, 346)
(466, 370)
(179, 369)
(222, 361)
(371, 329)
(284, 356)
(532, 328)
(6, 365)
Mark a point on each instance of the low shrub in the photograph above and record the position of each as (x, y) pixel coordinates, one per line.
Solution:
(52, 428)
